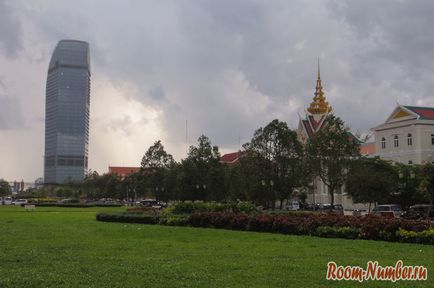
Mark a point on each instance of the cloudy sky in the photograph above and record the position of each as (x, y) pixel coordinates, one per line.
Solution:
(227, 67)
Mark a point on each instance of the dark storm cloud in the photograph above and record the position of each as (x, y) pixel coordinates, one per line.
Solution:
(229, 67)
(10, 30)
(392, 55)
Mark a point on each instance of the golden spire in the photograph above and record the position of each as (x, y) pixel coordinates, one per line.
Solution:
(319, 104)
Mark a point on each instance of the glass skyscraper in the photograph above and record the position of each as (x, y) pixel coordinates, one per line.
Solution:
(67, 113)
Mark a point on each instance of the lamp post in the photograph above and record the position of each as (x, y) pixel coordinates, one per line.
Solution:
(200, 187)
(265, 184)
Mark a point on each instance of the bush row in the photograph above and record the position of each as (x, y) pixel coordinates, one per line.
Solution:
(196, 207)
(138, 217)
(333, 226)
(74, 205)
(422, 237)
(127, 218)
(369, 227)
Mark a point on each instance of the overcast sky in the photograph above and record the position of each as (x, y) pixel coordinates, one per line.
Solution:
(228, 67)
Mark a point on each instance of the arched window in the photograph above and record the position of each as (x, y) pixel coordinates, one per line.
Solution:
(396, 141)
(383, 143)
(409, 139)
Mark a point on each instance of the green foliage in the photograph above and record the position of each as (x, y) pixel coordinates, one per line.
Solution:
(422, 237)
(127, 218)
(5, 189)
(156, 157)
(330, 151)
(272, 162)
(174, 220)
(338, 232)
(189, 207)
(201, 175)
(371, 180)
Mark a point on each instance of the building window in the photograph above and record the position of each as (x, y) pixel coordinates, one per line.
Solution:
(410, 162)
(383, 143)
(409, 139)
(396, 141)
(432, 139)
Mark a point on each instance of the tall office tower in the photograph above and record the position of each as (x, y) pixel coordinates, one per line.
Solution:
(67, 113)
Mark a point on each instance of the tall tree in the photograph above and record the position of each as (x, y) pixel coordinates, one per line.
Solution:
(371, 180)
(155, 164)
(276, 151)
(5, 189)
(329, 153)
(426, 185)
(156, 157)
(202, 175)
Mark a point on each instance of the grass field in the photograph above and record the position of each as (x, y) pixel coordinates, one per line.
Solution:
(66, 247)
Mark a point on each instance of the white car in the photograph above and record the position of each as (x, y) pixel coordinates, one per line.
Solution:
(389, 210)
(7, 201)
(293, 206)
(20, 201)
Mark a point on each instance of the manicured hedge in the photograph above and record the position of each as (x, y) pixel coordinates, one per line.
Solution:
(327, 225)
(127, 218)
(196, 207)
(422, 237)
(324, 225)
(74, 205)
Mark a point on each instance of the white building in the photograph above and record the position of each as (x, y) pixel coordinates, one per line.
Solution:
(407, 136)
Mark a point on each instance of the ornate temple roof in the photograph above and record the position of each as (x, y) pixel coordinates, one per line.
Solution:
(319, 104)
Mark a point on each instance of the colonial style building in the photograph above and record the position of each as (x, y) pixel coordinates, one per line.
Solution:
(407, 136)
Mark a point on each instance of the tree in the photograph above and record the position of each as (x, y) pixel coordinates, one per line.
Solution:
(156, 164)
(371, 180)
(276, 151)
(202, 175)
(157, 157)
(426, 185)
(329, 153)
(5, 189)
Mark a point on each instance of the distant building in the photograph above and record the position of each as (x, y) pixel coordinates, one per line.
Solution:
(230, 158)
(122, 172)
(368, 149)
(315, 120)
(67, 113)
(407, 136)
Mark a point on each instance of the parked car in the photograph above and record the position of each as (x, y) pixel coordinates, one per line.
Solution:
(293, 206)
(388, 210)
(19, 201)
(336, 208)
(7, 201)
(153, 203)
(419, 211)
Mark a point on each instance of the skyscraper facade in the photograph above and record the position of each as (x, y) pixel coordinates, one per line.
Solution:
(67, 113)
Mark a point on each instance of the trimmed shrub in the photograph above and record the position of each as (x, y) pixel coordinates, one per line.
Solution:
(174, 220)
(75, 205)
(422, 237)
(127, 218)
(338, 232)
(198, 207)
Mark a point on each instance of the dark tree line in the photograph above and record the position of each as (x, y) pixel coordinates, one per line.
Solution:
(273, 166)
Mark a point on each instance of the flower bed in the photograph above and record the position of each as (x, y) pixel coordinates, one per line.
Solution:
(323, 225)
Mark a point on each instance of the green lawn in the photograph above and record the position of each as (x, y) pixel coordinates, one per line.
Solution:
(66, 247)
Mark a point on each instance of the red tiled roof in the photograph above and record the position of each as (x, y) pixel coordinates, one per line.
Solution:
(367, 149)
(230, 158)
(426, 113)
(313, 122)
(308, 128)
(123, 171)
